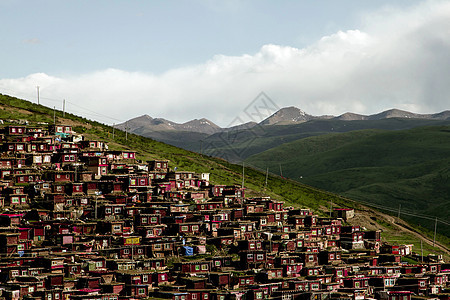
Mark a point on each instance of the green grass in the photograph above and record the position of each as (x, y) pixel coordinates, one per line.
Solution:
(222, 172)
(410, 168)
(241, 144)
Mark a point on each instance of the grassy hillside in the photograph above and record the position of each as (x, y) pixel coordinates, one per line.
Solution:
(222, 172)
(407, 169)
(238, 145)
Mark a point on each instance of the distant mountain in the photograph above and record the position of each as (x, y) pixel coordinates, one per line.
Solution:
(351, 117)
(244, 126)
(146, 123)
(394, 113)
(286, 125)
(287, 115)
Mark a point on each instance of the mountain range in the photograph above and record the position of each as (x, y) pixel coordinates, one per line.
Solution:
(285, 125)
(285, 116)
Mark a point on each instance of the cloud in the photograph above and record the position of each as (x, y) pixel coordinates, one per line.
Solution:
(32, 41)
(398, 59)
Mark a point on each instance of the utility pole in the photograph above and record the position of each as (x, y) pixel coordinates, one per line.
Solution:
(37, 94)
(113, 129)
(126, 131)
(64, 108)
(331, 207)
(435, 227)
(421, 248)
(243, 174)
(95, 213)
(267, 175)
(399, 207)
(54, 115)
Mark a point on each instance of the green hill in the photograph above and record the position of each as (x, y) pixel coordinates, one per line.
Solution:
(406, 169)
(240, 144)
(222, 172)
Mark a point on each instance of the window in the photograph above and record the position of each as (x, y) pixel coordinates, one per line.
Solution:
(259, 256)
(108, 210)
(126, 251)
(56, 296)
(153, 220)
(184, 228)
(145, 278)
(141, 291)
(204, 267)
(194, 227)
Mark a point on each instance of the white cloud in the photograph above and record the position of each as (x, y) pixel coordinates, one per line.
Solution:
(400, 59)
(33, 41)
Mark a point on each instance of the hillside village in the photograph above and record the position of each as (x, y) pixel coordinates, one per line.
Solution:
(80, 221)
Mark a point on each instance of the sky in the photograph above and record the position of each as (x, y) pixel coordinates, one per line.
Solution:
(115, 60)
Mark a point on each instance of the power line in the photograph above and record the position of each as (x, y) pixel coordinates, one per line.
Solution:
(92, 113)
(379, 206)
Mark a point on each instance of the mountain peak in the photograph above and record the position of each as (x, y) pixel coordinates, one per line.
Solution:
(287, 115)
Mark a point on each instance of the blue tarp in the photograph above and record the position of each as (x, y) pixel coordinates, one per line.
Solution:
(188, 251)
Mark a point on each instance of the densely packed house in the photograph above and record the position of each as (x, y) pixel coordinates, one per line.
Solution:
(79, 221)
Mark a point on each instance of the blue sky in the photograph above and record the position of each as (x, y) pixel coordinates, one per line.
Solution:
(203, 58)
